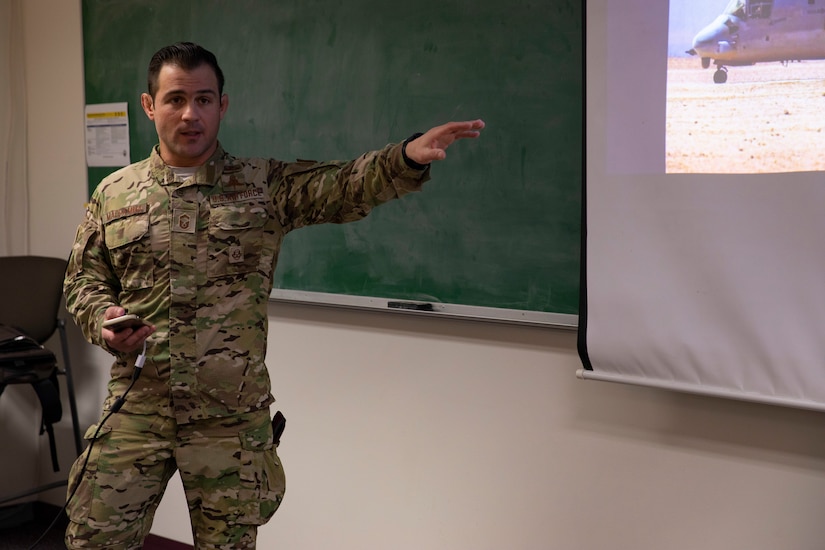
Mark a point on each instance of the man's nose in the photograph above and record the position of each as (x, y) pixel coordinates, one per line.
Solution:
(190, 111)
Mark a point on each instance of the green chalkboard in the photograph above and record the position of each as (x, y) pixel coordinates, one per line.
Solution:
(499, 224)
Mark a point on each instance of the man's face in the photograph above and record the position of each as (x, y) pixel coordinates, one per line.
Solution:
(187, 111)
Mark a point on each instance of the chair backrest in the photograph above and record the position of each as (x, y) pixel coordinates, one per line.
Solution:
(31, 288)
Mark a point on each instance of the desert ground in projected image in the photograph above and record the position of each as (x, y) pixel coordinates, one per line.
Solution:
(766, 118)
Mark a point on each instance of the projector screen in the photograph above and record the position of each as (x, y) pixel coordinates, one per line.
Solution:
(704, 260)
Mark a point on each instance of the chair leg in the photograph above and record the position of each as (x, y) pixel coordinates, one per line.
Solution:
(61, 325)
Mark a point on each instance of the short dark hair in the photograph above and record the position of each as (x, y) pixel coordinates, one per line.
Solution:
(187, 56)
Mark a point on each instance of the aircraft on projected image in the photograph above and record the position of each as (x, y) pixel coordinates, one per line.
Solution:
(757, 31)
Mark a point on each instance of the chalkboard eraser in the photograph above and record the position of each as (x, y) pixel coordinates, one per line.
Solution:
(414, 306)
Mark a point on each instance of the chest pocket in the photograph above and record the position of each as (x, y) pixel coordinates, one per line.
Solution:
(235, 238)
(130, 250)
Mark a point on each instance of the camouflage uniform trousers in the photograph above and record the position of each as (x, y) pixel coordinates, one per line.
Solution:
(231, 473)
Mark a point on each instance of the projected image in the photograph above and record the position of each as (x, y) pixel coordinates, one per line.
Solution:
(745, 86)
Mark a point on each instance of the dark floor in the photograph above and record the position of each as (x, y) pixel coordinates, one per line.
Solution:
(22, 525)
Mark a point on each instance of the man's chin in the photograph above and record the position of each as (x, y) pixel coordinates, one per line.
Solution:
(192, 152)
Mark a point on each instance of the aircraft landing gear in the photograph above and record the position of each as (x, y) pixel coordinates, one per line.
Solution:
(721, 75)
(705, 62)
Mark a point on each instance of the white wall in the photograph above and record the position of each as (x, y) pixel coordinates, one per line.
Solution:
(410, 433)
(54, 79)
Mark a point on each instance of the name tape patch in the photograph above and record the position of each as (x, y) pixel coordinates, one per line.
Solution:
(127, 211)
(224, 198)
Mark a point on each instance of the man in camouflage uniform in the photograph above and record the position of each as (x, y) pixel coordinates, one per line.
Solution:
(188, 239)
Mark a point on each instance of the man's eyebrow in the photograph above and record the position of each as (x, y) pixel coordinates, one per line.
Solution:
(206, 91)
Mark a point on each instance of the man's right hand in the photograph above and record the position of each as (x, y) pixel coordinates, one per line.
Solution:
(128, 339)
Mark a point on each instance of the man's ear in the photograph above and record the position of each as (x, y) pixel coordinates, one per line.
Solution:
(148, 105)
(224, 104)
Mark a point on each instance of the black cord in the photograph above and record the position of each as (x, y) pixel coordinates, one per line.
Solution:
(141, 359)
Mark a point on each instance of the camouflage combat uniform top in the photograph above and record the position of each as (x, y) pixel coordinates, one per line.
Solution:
(196, 259)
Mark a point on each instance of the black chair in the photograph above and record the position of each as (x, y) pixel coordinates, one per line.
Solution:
(31, 289)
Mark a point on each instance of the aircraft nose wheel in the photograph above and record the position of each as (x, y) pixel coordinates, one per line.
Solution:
(721, 75)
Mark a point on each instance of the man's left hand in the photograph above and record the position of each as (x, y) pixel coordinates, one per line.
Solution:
(433, 144)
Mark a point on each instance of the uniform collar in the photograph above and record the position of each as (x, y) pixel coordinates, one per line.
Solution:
(207, 174)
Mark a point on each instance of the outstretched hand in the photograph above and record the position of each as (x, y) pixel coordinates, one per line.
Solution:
(433, 144)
